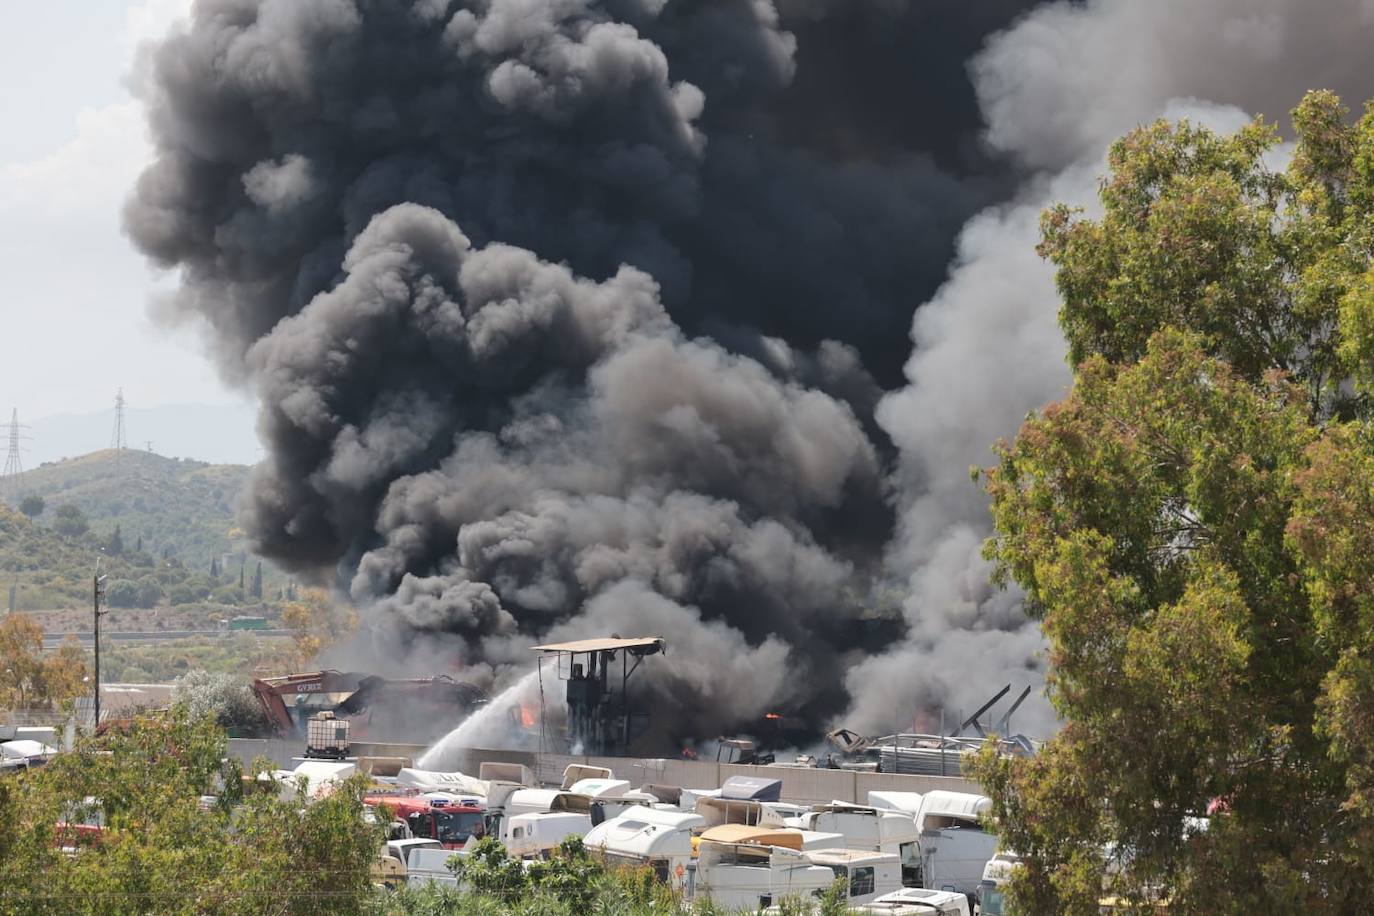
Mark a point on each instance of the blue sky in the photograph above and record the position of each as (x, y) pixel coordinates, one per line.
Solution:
(73, 298)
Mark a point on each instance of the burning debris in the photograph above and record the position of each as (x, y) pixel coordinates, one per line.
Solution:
(370, 707)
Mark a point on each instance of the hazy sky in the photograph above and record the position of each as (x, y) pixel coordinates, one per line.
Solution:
(73, 300)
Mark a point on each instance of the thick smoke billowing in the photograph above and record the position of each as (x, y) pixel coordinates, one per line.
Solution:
(1056, 89)
(575, 316)
(465, 253)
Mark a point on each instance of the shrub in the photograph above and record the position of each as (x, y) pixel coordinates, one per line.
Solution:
(70, 521)
(227, 698)
(122, 593)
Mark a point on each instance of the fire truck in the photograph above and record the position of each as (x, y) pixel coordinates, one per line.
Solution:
(428, 819)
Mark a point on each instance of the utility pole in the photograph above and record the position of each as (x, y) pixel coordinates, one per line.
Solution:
(97, 592)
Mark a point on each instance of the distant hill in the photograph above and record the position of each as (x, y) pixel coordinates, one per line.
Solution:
(218, 433)
(171, 509)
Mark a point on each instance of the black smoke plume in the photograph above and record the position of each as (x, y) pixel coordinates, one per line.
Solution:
(571, 316)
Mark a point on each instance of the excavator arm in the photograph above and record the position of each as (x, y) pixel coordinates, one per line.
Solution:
(362, 691)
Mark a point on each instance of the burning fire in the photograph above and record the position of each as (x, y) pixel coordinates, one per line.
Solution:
(529, 716)
(771, 715)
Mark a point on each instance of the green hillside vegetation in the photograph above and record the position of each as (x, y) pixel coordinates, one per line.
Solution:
(164, 509)
(40, 568)
(162, 662)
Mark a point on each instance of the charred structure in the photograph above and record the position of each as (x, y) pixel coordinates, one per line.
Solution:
(375, 708)
(600, 718)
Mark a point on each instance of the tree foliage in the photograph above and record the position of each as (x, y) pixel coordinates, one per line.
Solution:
(1193, 526)
(161, 850)
(317, 622)
(28, 678)
(70, 521)
(226, 698)
(571, 882)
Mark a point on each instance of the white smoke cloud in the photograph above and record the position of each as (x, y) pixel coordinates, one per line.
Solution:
(1057, 89)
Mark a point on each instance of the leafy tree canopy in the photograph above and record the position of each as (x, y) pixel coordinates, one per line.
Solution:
(28, 678)
(161, 850)
(1194, 526)
(70, 521)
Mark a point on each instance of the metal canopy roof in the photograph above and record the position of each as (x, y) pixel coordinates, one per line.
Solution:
(607, 644)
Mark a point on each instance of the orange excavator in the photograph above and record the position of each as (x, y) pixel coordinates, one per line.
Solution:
(378, 709)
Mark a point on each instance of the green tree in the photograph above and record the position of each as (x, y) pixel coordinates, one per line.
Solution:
(149, 592)
(122, 593)
(32, 506)
(116, 542)
(214, 567)
(257, 581)
(227, 698)
(1193, 528)
(28, 677)
(160, 850)
(70, 521)
(570, 880)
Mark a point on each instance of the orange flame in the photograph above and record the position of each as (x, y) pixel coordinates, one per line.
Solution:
(771, 715)
(529, 716)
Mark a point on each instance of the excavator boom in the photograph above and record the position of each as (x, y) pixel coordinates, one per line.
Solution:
(347, 693)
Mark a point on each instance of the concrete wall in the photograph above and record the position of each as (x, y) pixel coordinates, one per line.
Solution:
(799, 784)
(278, 750)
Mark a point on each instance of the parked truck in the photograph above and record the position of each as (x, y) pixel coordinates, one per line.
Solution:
(650, 837)
(748, 877)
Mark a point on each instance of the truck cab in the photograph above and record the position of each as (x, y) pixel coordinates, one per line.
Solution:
(869, 828)
(867, 874)
(918, 901)
(450, 825)
(989, 899)
(536, 835)
(749, 877)
(653, 838)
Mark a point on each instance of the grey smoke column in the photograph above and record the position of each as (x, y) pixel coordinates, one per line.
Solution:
(1057, 89)
(588, 502)
(464, 252)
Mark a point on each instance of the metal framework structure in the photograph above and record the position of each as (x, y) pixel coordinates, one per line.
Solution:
(14, 466)
(117, 439)
(599, 716)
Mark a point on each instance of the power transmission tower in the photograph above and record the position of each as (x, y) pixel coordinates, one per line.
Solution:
(117, 440)
(13, 465)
